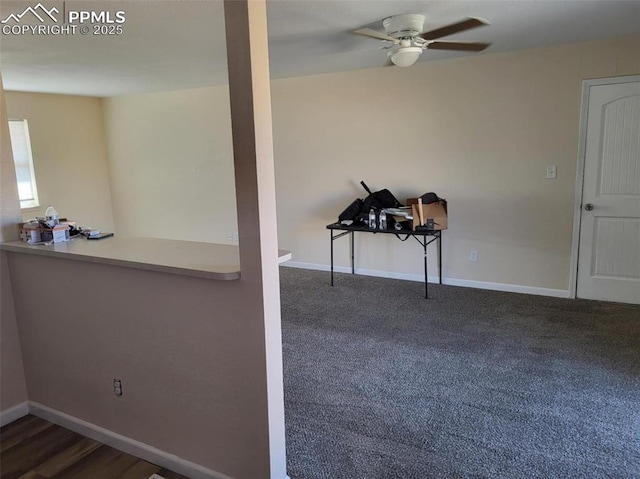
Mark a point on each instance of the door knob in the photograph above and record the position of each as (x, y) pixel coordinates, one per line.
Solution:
(588, 207)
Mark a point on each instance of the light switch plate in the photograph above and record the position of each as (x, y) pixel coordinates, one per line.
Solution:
(551, 172)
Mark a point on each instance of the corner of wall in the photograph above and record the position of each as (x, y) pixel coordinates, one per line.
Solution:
(13, 388)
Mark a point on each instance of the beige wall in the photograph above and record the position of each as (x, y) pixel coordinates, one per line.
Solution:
(190, 354)
(13, 390)
(69, 155)
(164, 151)
(479, 131)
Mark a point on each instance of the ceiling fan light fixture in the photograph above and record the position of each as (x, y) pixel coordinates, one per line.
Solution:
(406, 56)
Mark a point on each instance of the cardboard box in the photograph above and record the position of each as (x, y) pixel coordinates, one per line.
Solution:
(31, 235)
(433, 211)
(57, 234)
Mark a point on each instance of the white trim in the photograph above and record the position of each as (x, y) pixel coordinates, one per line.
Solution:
(577, 201)
(125, 444)
(360, 271)
(467, 283)
(582, 146)
(14, 413)
(508, 288)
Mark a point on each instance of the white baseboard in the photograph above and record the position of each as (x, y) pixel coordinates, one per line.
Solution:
(509, 288)
(125, 444)
(14, 413)
(467, 283)
(361, 271)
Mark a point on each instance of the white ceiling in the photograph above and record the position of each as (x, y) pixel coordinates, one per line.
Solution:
(170, 45)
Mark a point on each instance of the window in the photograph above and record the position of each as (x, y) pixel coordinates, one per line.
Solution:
(21, 145)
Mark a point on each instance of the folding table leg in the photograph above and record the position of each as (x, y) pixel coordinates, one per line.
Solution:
(440, 257)
(426, 291)
(331, 233)
(353, 267)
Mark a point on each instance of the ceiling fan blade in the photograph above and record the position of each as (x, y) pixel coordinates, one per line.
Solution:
(459, 46)
(367, 32)
(467, 24)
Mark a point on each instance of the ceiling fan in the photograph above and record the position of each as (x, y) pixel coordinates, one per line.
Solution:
(405, 32)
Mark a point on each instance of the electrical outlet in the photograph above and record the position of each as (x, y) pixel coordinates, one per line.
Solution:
(473, 255)
(229, 237)
(117, 387)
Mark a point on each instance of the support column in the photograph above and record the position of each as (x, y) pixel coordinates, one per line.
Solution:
(250, 100)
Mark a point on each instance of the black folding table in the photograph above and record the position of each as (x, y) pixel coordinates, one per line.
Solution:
(425, 238)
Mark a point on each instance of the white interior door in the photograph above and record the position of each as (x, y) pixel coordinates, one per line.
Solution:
(609, 247)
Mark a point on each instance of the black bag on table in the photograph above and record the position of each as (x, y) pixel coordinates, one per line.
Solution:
(378, 200)
(351, 211)
(358, 210)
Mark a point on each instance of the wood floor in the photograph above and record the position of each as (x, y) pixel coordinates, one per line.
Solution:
(32, 448)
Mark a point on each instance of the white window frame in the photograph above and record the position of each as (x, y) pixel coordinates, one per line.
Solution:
(27, 202)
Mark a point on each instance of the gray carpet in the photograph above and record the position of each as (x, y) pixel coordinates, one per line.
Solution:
(381, 383)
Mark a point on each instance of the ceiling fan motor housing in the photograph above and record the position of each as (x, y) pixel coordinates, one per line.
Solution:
(403, 26)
